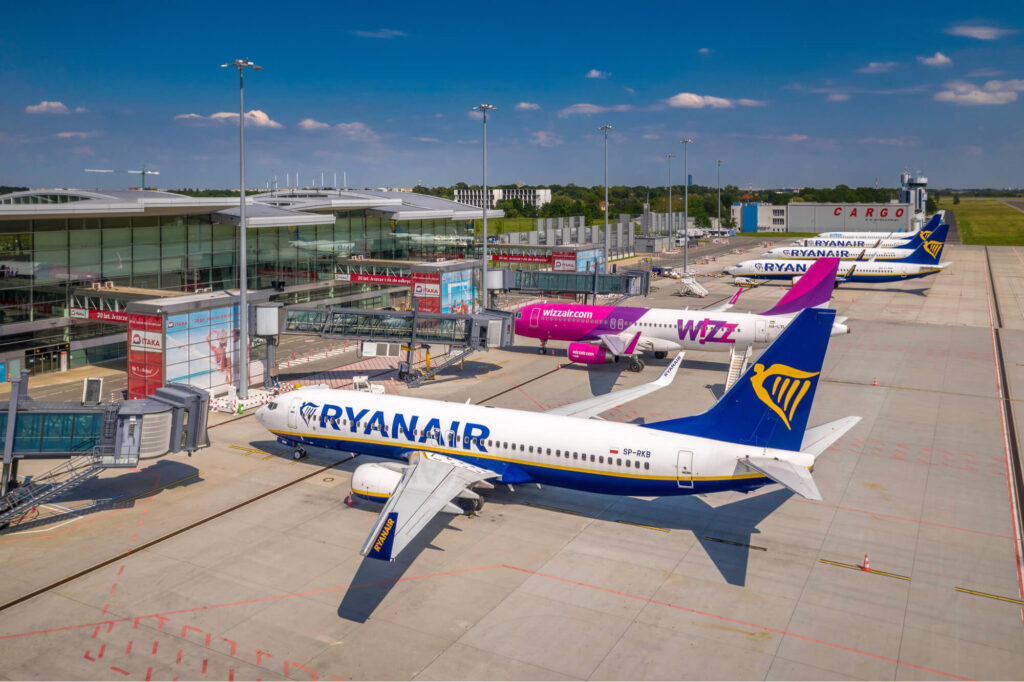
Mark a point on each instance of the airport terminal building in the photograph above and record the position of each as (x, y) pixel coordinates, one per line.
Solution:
(71, 260)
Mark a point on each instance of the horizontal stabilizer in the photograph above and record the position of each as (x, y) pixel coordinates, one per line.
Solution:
(818, 439)
(796, 478)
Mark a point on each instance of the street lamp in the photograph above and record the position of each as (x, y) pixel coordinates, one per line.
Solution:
(670, 226)
(607, 237)
(243, 279)
(686, 208)
(719, 162)
(483, 109)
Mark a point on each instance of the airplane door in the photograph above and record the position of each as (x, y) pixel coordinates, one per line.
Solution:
(760, 330)
(535, 318)
(293, 410)
(684, 469)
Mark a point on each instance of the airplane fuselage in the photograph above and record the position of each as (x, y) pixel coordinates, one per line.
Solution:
(844, 253)
(593, 455)
(860, 243)
(849, 270)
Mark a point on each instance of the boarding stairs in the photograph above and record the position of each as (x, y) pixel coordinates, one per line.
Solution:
(737, 365)
(419, 375)
(691, 287)
(65, 476)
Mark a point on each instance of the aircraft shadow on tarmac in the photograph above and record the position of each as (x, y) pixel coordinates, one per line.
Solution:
(114, 492)
(923, 291)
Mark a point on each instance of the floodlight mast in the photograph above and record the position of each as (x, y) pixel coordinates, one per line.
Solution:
(483, 109)
(607, 238)
(671, 226)
(243, 279)
(686, 207)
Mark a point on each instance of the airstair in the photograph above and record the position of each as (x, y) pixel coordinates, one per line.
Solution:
(418, 375)
(737, 366)
(50, 485)
(691, 287)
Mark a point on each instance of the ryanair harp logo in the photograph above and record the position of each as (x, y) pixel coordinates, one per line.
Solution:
(781, 388)
(932, 248)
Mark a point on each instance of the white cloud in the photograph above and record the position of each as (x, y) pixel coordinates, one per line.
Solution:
(993, 92)
(938, 60)
(704, 50)
(985, 73)
(81, 135)
(584, 108)
(386, 33)
(357, 131)
(426, 139)
(630, 91)
(594, 73)
(837, 97)
(46, 107)
(473, 113)
(253, 117)
(311, 124)
(743, 102)
(878, 67)
(651, 136)
(979, 32)
(527, 106)
(80, 110)
(890, 141)
(795, 137)
(545, 139)
(689, 100)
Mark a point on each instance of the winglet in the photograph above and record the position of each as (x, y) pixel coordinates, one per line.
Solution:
(381, 548)
(669, 373)
(632, 345)
(813, 289)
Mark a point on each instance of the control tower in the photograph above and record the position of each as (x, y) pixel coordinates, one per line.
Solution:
(914, 191)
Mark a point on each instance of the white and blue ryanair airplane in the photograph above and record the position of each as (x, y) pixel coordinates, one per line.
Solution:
(755, 435)
(877, 240)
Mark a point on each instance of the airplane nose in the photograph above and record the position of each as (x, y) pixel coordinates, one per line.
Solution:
(261, 414)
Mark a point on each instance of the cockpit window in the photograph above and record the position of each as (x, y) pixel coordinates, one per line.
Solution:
(271, 406)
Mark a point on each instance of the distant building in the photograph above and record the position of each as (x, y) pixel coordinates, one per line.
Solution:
(530, 197)
(758, 217)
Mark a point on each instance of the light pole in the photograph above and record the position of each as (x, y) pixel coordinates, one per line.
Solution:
(670, 226)
(607, 237)
(483, 109)
(686, 208)
(719, 162)
(243, 279)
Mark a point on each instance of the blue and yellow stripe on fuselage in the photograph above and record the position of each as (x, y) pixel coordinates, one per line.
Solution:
(523, 471)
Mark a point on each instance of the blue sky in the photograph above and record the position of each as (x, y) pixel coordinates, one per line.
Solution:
(786, 94)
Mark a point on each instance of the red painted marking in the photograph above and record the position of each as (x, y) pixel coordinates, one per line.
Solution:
(179, 656)
(129, 649)
(259, 655)
(299, 665)
(99, 654)
(204, 665)
(156, 644)
(186, 628)
(234, 645)
(149, 674)
(113, 588)
(105, 607)
(208, 636)
(744, 623)
(120, 570)
(231, 674)
(118, 670)
(134, 537)
(140, 520)
(96, 632)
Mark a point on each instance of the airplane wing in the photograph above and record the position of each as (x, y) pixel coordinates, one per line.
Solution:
(617, 346)
(591, 407)
(728, 304)
(427, 487)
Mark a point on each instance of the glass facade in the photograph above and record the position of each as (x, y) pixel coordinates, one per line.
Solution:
(42, 261)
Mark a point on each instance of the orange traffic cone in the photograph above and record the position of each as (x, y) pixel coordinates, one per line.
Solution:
(350, 501)
(867, 564)
(875, 382)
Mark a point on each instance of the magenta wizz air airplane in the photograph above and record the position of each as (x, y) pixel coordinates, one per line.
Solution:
(604, 334)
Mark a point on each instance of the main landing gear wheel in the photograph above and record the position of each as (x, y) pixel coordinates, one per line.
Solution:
(661, 354)
(636, 365)
(299, 453)
(470, 507)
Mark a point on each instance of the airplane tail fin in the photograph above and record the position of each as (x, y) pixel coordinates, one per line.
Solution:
(924, 233)
(929, 250)
(813, 289)
(769, 405)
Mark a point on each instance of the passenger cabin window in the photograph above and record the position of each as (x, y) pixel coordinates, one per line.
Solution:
(647, 465)
(601, 459)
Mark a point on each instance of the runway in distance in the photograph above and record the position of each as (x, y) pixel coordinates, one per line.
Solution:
(924, 261)
(604, 334)
(440, 451)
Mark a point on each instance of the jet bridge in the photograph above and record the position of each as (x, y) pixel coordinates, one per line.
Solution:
(91, 436)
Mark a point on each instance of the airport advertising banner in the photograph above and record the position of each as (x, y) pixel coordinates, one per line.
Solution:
(563, 261)
(202, 350)
(586, 261)
(401, 280)
(99, 315)
(426, 288)
(519, 258)
(458, 291)
(145, 355)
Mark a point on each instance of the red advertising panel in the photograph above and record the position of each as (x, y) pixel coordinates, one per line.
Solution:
(519, 258)
(426, 288)
(99, 315)
(372, 278)
(145, 355)
(563, 261)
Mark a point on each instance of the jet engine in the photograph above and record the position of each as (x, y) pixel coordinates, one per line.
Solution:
(375, 481)
(589, 354)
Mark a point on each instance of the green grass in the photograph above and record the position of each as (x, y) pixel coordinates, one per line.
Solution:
(986, 221)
